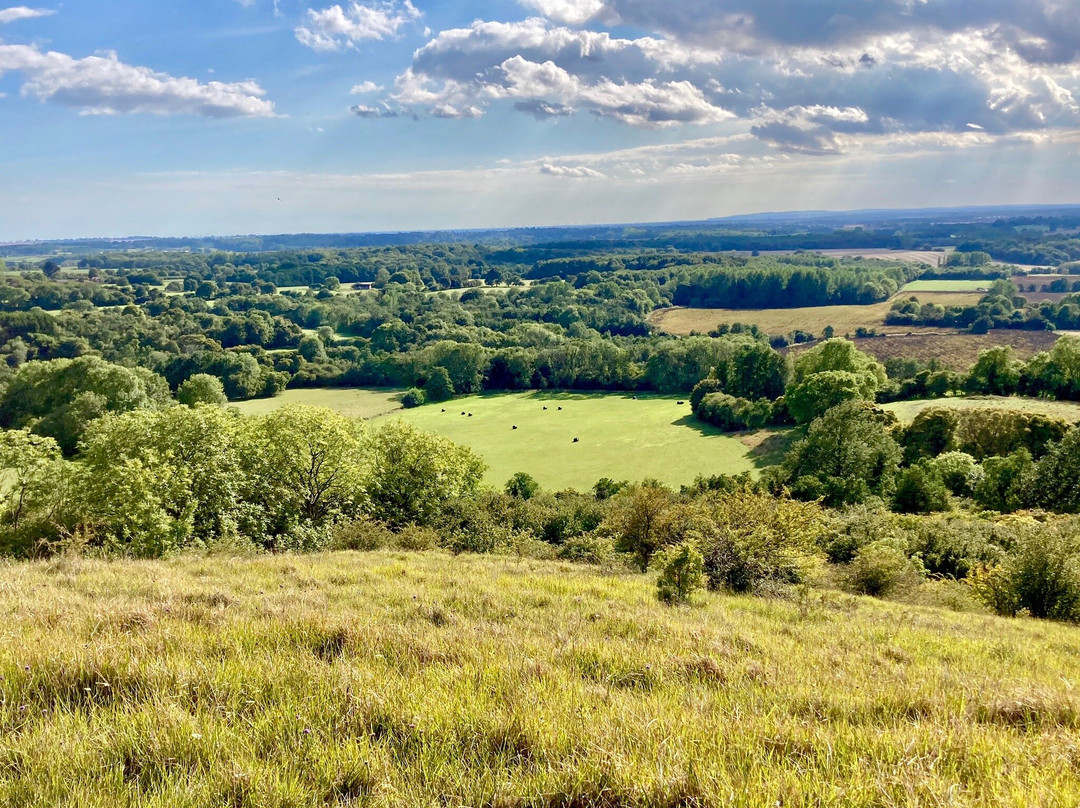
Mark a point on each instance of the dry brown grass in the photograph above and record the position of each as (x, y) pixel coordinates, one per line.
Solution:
(955, 350)
(843, 319)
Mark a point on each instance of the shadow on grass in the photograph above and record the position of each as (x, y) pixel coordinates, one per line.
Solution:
(767, 446)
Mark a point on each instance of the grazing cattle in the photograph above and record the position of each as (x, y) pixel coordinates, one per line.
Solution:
(444, 409)
(681, 403)
(560, 409)
(470, 415)
(545, 408)
(575, 440)
(462, 413)
(515, 426)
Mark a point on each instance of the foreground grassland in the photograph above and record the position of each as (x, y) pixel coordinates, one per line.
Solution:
(619, 436)
(426, 680)
(355, 403)
(1065, 410)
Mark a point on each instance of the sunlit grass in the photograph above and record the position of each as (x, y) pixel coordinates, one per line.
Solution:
(413, 680)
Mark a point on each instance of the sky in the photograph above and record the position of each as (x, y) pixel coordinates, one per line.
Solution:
(127, 117)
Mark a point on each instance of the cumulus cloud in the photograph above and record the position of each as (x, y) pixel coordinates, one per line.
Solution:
(365, 87)
(341, 27)
(22, 13)
(571, 172)
(380, 111)
(103, 85)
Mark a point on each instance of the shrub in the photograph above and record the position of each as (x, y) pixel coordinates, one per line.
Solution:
(414, 397)
(438, 386)
(1003, 485)
(733, 414)
(1041, 576)
(920, 489)
(522, 486)
(750, 540)
(682, 572)
(960, 473)
(881, 568)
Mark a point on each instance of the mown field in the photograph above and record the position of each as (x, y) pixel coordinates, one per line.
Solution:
(390, 679)
(843, 319)
(618, 437)
(1066, 410)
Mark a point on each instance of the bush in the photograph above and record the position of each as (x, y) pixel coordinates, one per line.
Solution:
(733, 414)
(882, 568)
(438, 386)
(959, 472)
(920, 489)
(522, 486)
(682, 572)
(1041, 576)
(750, 540)
(1002, 487)
(414, 397)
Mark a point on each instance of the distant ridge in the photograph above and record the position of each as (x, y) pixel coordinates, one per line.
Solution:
(649, 234)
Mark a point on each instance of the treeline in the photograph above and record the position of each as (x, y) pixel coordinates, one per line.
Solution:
(794, 282)
(1002, 307)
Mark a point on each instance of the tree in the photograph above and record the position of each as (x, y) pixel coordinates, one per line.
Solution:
(34, 490)
(921, 489)
(306, 466)
(931, 433)
(60, 398)
(959, 472)
(848, 455)
(312, 349)
(829, 374)
(821, 392)
(155, 481)
(639, 522)
(50, 268)
(202, 388)
(751, 539)
(996, 373)
(438, 386)
(413, 473)
(522, 486)
(1055, 483)
(413, 397)
(1003, 486)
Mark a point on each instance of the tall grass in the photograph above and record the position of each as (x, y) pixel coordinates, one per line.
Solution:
(393, 679)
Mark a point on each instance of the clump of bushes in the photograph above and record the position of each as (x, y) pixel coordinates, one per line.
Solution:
(682, 572)
(882, 568)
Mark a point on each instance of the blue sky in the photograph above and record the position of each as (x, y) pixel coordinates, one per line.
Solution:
(253, 116)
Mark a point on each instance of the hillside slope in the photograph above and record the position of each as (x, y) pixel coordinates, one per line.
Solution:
(424, 679)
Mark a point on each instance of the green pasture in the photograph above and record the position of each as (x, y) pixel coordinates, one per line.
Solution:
(1066, 410)
(618, 436)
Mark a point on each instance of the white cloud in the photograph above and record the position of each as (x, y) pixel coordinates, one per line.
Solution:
(339, 28)
(103, 85)
(22, 13)
(365, 87)
(571, 172)
(570, 12)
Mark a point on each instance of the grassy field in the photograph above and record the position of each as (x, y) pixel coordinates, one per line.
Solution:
(843, 319)
(1066, 410)
(914, 256)
(423, 680)
(946, 286)
(618, 437)
(351, 402)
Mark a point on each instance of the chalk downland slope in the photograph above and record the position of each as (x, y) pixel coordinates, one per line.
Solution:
(390, 679)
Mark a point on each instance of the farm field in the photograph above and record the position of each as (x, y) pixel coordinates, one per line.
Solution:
(843, 319)
(399, 680)
(958, 351)
(945, 286)
(1066, 410)
(916, 256)
(618, 437)
(355, 403)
